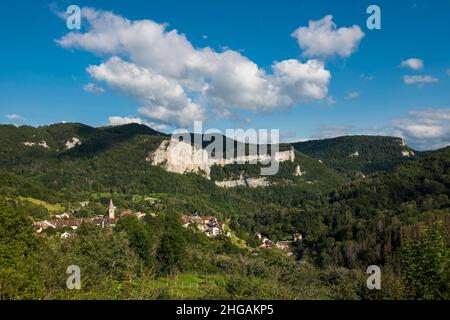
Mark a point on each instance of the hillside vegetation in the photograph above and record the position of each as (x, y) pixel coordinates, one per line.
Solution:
(356, 155)
(379, 207)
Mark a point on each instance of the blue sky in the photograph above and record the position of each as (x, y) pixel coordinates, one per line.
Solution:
(43, 81)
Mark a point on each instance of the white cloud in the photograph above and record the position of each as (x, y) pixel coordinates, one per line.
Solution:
(413, 63)
(366, 77)
(163, 99)
(330, 100)
(332, 131)
(420, 80)
(352, 95)
(15, 117)
(322, 39)
(119, 121)
(425, 129)
(93, 88)
(176, 83)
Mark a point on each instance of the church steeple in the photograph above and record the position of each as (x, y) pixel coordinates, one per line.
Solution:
(111, 210)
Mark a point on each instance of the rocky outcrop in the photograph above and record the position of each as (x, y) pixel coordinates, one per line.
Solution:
(243, 182)
(407, 153)
(72, 143)
(42, 144)
(298, 172)
(181, 157)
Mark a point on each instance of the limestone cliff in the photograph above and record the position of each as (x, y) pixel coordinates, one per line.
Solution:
(181, 157)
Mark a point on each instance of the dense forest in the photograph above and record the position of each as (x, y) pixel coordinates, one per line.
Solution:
(361, 201)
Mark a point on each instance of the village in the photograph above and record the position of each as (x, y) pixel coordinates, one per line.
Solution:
(67, 221)
(208, 225)
(266, 243)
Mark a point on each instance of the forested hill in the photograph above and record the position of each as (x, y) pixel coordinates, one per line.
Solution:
(367, 221)
(59, 138)
(73, 158)
(353, 155)
(358, 201)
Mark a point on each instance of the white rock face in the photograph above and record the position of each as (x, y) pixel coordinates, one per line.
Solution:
(181, 157)
(243, 182)
(285, 156)
(70, 144)
(406, 153)
(298, 172)
(42, 144)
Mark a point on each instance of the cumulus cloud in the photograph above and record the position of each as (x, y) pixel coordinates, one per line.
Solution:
(322, 38)
(119, 121)
(352, 95)
(425, 129)
(163, 98)
(175, 83)
(420, 80)
(93, 88)
(15, 117)
(413, 63)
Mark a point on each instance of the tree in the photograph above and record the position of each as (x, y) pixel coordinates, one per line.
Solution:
(17, 277)
(426, 264)
(172, 246)
(139, 236)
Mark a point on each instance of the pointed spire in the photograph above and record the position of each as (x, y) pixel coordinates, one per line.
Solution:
(112, 209)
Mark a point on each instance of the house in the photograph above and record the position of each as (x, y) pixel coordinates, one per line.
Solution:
(65, 220)
(141, 215)
(266, 243)
(42, 225)
(65, 215)
(213, 231)
(84, 203)
(211, 226)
